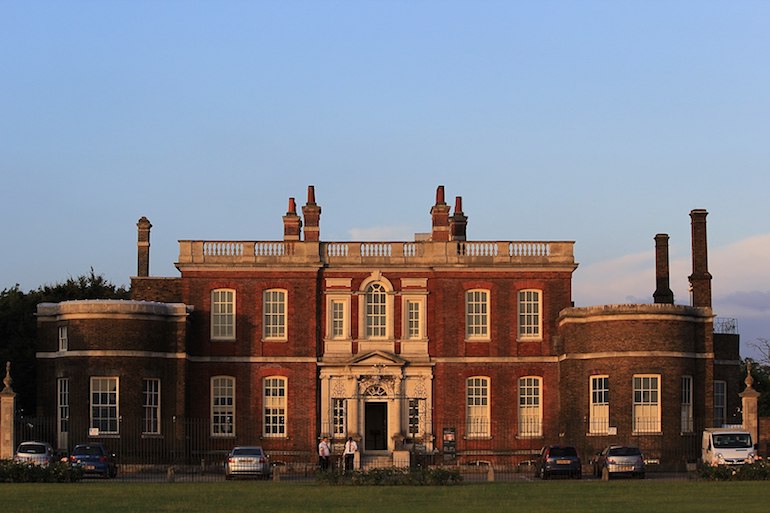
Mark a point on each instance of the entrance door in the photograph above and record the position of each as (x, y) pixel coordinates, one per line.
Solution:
(376, 422)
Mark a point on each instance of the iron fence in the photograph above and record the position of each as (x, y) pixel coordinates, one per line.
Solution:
(184, 449)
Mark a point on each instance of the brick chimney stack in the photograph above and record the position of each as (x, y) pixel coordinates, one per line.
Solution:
(458, 223)
(700, 279)
(663, 292)
(143, 247)
(292, 224)
(311, 212)
(440, 218)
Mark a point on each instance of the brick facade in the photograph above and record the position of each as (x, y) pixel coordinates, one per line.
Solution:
(404, 381)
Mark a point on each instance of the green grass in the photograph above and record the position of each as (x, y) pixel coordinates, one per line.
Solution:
(249, 496)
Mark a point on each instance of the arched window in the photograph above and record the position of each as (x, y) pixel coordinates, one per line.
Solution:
(530, 406)
(477, 314)
(376, 313)
(477, 406)
(222, 314)
(222, 406)
(530, 319)
(274, 314)
(274, 406)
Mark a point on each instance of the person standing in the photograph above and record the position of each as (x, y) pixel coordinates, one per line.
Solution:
(350, 453)
(324, 454)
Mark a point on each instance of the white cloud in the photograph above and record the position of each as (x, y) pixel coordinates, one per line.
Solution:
(740, 286)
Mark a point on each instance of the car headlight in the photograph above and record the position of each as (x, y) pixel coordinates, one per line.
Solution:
(720, 458)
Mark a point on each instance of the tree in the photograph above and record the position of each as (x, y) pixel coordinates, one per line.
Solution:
(763, 346)
(18, 327)
(761, 374)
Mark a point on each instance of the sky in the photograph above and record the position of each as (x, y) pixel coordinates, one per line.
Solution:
(599, 122)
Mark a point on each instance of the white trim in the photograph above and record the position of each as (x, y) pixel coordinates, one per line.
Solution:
(222, 409)
(91, 406)
(486, 324)
(228, 317)
(281, 317)
(520, 327)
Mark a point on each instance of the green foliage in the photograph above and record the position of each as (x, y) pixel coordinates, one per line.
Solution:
(759, 471)
(761, 374)
(433, 476)
(18, 327)
(14, 472)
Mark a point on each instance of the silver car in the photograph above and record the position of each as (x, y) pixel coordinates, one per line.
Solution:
(617, 460)
(37, 453)
(247, 461)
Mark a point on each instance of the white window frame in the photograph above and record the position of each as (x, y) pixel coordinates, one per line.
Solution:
(530, 406)
(63, 339)
(339, 417)
(599, 409)
(530, 309)
(105, 404)
(222, 406)
(274, 314)
(477, 314)
(275, 392)
(413, 315)
(376, 319)
(720, 403)
(151, 406)
(686, 424)
(477, 407)
(338, 317)
(223, 313)
(63, 405)
(646, 389)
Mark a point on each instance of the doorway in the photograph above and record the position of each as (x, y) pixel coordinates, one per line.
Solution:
(376, 426)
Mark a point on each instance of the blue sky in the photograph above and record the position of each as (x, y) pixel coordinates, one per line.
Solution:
(602, 122)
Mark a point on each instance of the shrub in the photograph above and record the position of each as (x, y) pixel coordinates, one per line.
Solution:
(18, 472)
(759, 471)
(433, 476)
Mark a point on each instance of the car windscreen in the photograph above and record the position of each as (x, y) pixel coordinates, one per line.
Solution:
(562, 452)
(247, 451)
(625, 451)
(732, 441)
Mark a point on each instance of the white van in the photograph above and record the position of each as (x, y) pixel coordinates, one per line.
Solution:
(727, 446)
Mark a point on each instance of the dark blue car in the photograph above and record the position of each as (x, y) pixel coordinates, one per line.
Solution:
(94, 459)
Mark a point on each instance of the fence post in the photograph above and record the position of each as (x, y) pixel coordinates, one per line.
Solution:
(7, 416)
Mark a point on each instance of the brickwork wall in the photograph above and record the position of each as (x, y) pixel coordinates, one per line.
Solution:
(163, 290)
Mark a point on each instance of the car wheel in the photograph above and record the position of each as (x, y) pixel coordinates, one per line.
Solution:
(228, 477)
(640, 475)
(546, 475)
(578, 475)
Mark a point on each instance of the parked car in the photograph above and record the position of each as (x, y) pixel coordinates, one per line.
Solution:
(38, 453)
(247, 461)
(619, 460)
(94, 459)
(558, 460)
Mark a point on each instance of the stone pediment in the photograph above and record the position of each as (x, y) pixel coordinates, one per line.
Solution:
(380, 358)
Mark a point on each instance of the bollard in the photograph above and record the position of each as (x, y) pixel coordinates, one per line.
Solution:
(491, 473)
(171, 474)
(276, 473)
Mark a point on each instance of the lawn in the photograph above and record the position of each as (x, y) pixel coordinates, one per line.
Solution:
(249, 496)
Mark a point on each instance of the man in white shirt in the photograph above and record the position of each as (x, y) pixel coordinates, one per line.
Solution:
(350, 453)
(324, 453)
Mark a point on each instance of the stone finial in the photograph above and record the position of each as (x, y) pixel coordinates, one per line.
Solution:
(749, 379)
(7, 380)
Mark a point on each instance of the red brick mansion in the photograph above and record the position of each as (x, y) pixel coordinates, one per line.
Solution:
(468, 349)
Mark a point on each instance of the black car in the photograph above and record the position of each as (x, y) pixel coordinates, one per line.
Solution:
(94, 459)
(558, 460)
